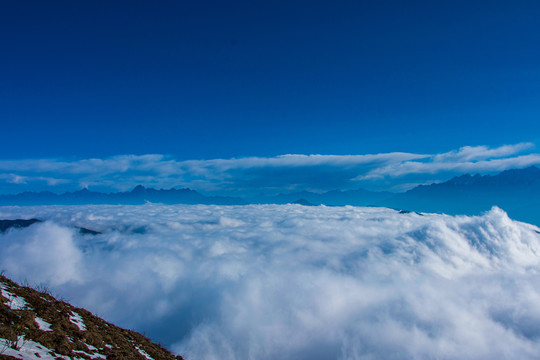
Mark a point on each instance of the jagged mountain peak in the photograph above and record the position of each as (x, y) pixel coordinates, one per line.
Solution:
(138, 189)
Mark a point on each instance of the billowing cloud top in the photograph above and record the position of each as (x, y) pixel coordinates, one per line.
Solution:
(388, 171)
(293, 282)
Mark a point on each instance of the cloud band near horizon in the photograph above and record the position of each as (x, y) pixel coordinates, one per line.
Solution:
(249, 175)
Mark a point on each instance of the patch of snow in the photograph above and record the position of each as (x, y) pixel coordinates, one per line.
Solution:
(43, 325)
(14, 302)
(143, 353)
(92, 356)
(90, 347)
(109, 346)
(77, 320)
(30, 350)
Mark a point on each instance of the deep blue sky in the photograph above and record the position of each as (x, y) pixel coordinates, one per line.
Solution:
(209, 79)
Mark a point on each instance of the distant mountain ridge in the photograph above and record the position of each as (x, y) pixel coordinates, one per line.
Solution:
(517, 191)
(358, 197)
(139, 195)
(529, 177)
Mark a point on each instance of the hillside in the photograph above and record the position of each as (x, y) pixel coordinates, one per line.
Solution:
(36, 326)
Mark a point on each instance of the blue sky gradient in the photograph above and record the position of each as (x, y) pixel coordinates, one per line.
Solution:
(219, 80)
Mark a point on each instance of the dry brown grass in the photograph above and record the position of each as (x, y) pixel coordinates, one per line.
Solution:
(65, 337)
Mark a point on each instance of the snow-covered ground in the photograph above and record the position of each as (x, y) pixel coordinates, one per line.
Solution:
(42, 324)
(77, 320)
(13, 301)
(292, 282)
(29, 350)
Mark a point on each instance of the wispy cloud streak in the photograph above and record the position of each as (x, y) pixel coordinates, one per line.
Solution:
(480, 159)
(256, 174)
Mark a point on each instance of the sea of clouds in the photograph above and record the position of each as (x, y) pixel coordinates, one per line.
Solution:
(292, 282)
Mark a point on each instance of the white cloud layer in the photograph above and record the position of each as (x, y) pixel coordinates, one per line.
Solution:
(255, 174)
(292, 282)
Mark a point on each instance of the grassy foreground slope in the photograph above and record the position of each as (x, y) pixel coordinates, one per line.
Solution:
(36, 326)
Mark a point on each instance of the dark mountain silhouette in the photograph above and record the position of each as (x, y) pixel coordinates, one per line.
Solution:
(516, 191)
(5, 225)
(16, 224)
(302, 202)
